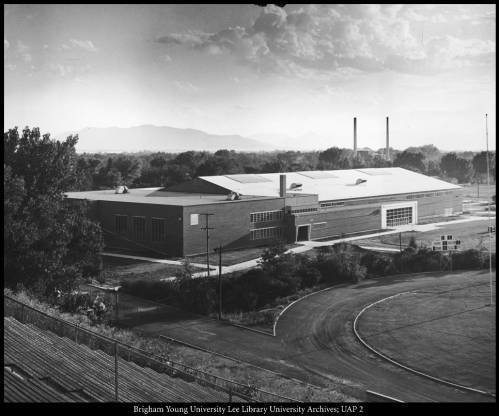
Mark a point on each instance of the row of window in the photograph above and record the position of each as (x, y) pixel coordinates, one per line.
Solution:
(329, 204)
(427, 195)
(266, 216)
(158, 227)
(266, 233)
(300, 210)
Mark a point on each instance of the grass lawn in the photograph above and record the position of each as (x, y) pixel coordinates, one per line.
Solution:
(472, 235)
(448, 332)
(120, 269)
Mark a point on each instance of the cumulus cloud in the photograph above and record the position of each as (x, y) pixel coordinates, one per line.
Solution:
(165, 58)
(329, 37)
(23, 52)
(86, 45)
(65, 70)
(186, 86)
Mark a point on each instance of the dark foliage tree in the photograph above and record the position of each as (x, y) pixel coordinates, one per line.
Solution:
(48, 242)
(410, 160)
(456, 167)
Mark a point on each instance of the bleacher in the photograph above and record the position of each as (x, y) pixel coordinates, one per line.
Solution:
(40, 366)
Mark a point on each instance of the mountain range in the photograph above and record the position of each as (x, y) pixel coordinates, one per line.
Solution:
(159, 138)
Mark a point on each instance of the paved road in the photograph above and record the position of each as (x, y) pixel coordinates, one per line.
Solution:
(315, 342)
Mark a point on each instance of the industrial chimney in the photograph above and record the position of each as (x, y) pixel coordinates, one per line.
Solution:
(355, 136)
(282, 186)
(387, 139)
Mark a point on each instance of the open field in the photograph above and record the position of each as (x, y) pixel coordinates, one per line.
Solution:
(447, 332)
(472, 191)
(472, 235)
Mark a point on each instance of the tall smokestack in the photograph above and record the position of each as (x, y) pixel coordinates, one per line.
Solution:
(355, 136)
(282, 186)
(387, 139)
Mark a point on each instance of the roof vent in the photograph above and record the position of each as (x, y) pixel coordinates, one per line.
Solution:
(233, 196)
(359, 181)
(121, 189)
(295, 186)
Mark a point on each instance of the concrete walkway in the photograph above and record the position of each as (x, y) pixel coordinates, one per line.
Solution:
(306, 246)
(153, 260)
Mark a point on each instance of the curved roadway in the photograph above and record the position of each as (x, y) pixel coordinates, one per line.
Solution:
(316, 334)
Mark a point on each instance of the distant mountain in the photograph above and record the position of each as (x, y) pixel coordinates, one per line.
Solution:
(159, 138)
(307, 141)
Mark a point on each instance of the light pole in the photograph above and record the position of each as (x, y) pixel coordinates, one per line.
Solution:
(219, 250)
(490, 224)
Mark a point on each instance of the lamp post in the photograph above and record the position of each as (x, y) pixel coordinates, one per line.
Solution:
(490, 224)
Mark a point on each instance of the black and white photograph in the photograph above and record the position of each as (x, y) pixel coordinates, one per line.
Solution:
(249, 208)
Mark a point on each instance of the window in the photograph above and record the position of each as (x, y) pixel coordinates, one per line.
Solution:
(300, 210)
(265, 233)
(266, 216)
(332, 204)
(194, 219)
(139, 228)
(121, 224)
(158, 229)
(398, 216)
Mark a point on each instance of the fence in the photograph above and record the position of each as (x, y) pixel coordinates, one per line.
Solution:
(27, 314)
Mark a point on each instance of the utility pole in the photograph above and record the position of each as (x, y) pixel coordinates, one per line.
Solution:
(490, 226)
(207, 228)
(400, 241)
(219, 250)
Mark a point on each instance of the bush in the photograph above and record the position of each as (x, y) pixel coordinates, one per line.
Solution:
(75, 302)
(378, 264)
(342, 265)
(469, 259)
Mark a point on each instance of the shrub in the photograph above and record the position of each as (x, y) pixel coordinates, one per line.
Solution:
(342, 265)
(75, 302)
(378, 264)
(469, 259)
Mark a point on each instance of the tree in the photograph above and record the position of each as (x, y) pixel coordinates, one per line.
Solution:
(410, 160)
(48, 242)
(456, 167)
(334, 158)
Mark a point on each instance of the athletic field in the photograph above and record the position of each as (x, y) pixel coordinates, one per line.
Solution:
(448, 332)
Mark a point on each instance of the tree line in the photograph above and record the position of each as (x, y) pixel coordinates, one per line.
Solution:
(282, 274)
(105, 171)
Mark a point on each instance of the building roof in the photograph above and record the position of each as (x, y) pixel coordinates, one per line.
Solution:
(328, 185)
(155, 196)
(334, 184)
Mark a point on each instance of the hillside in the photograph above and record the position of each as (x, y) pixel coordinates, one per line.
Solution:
(159, 138)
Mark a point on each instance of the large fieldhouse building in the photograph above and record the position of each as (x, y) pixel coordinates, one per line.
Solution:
(254, 209)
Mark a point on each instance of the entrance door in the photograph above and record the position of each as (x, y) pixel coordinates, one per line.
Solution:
(303, 233)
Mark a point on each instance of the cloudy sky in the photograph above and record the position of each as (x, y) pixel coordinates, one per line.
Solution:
(297, 74)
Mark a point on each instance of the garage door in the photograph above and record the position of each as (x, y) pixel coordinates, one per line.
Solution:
(398, 216)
